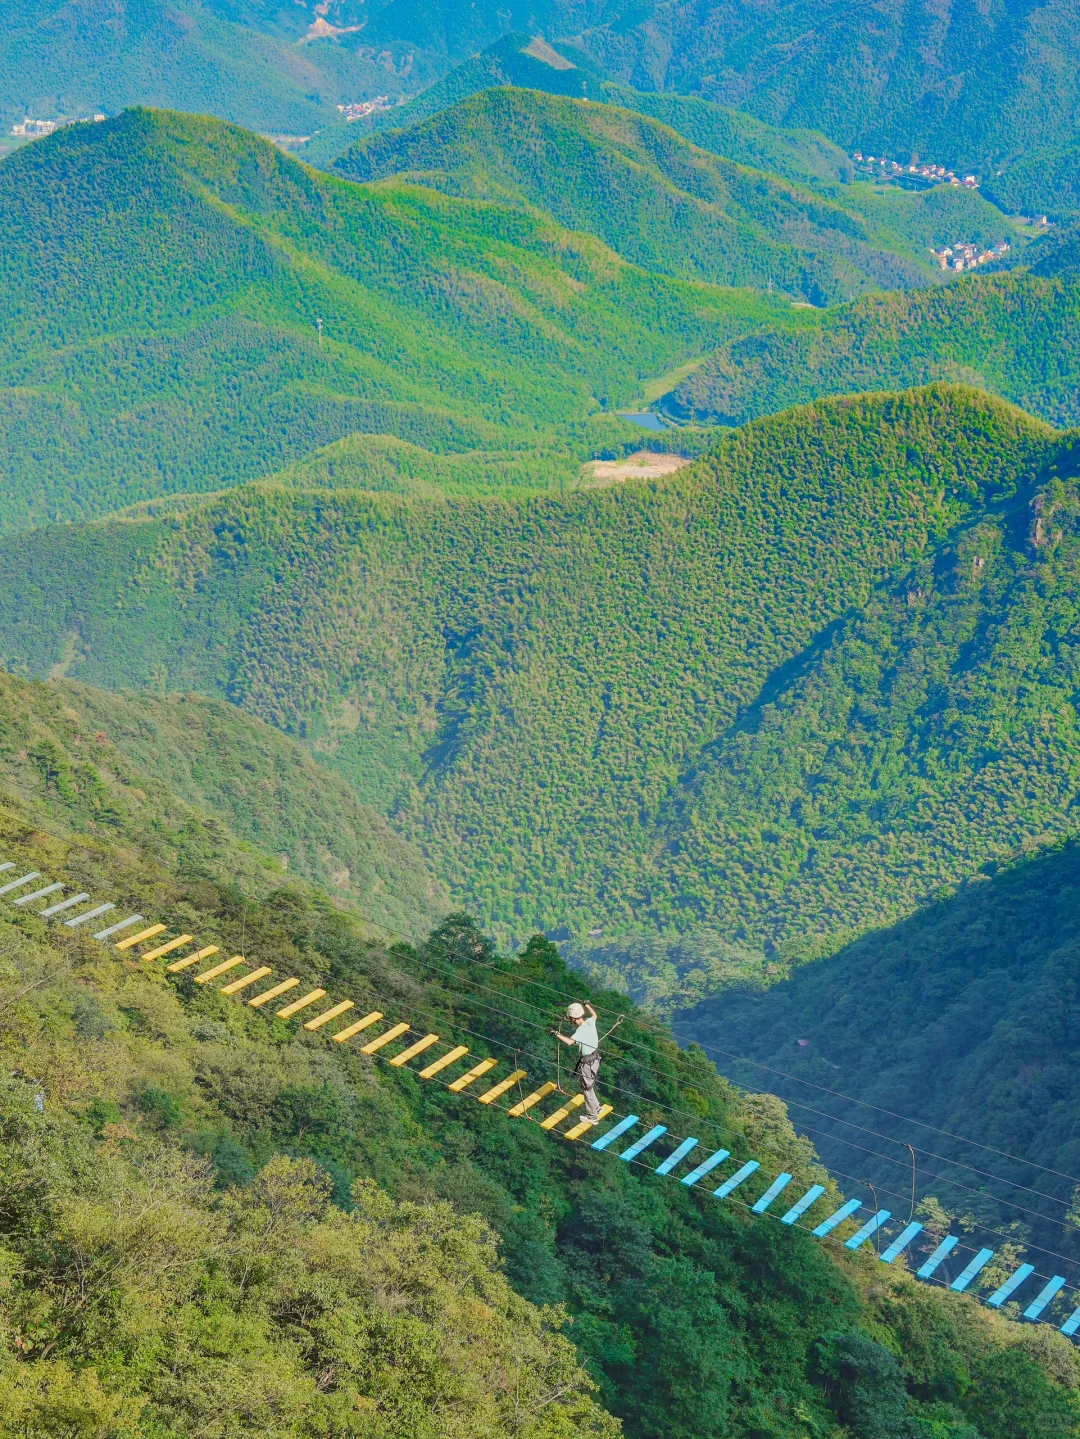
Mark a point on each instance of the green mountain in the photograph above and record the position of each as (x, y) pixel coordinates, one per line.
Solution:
(164, 340)
(551, 693)
(665, 204)
(804, 156)
(63, 59)
(270, 793)
(528, 62)
(970, 88)
(217, 1221)
(1012, 334)
(963, 1016)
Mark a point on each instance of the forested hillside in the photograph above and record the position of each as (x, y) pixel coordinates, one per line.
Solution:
(568, 699)
(964, 1015)
(804, 156)
(964, 87)
(665, 204)
(1012, 334)
(219, 1221)
(163, 284)
(266, 788)
(237, 61)
(515, 59)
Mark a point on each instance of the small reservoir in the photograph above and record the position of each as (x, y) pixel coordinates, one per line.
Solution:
(645, 418)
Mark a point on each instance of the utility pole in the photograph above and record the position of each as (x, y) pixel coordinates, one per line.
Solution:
(318, 326)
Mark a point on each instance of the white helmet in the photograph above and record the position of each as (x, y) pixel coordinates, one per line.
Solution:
(575, 1011)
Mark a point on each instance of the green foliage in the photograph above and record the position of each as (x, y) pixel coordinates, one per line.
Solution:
(964, 1015)
(1045, 181)
(665, 204)
(865, 1385)
(544, 692)
(964, 89)
(1014, 335)
(164, 339)
(57, 59)
(183, 773)
(314, 1246)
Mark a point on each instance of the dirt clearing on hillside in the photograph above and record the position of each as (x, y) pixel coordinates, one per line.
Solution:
(644, 465)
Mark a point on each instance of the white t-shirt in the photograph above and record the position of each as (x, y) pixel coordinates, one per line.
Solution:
(585, 1037)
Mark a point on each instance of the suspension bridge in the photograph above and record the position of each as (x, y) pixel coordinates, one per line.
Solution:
(400, 1044)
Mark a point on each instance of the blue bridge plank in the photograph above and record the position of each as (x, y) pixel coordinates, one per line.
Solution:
(616, 1130)
(676, 1156)
(901, 1242)
(944, 1249)
(844, 1212)
(780, 1183)
(1043, 1298)
(1014, 1281)
(736, 1179)
(705, 1166)
(870, 1228)
(963, 1279)
(799, 1208)
(644, 1142)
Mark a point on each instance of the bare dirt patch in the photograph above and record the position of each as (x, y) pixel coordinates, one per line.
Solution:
(644, 465)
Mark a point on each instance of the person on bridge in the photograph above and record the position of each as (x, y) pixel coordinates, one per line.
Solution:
(588, 1065)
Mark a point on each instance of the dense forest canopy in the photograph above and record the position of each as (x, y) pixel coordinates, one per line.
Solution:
(670, 206)
(965, 1015)
(218, 1221)
(560, 698)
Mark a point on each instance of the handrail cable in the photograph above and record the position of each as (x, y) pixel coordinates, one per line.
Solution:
(670, 1109)
(834, 1138)
(824, 1089)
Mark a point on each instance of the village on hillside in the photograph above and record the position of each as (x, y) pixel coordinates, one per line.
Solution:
(30, 129)
(878, 168)
(963, 255)
(358, 109)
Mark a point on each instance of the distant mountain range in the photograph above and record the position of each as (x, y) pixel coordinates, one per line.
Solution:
(665, 204)
(207, 310)
(747, 696)
(1012, 334)
(993, 93)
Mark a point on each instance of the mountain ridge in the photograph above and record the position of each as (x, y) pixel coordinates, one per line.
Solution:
(544, 636)
(170, 332)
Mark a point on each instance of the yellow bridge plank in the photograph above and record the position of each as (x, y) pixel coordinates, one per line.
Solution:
(583, 1128)
(191, 959)
(238, 984)
(272, 993)
(560, 1114)
(530, 1099)
(384, 1038)
(458, 1052)
(222, 968)
(168, 948)
(497, 1089)
(474, 1073)
(414, 1049)
(350, 1029)
(144, 934)
(312, 997)
(331, 1013)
